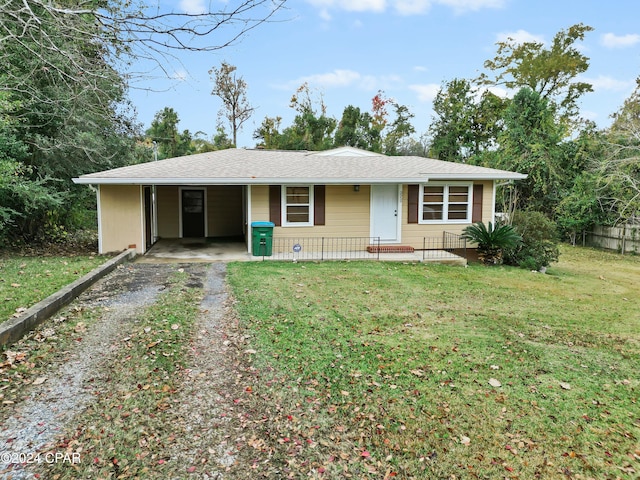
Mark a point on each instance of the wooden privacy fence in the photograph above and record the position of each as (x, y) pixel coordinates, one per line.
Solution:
(623, 239)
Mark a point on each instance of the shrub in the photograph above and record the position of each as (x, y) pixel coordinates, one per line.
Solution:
(539, 246)
(491, 241)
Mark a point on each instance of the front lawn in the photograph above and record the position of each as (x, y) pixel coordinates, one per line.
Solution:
(387, 370)
(24, 281)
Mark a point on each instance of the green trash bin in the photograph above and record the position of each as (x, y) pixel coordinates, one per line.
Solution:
(262, 238)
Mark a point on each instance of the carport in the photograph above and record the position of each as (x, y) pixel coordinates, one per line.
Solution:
(191, 250)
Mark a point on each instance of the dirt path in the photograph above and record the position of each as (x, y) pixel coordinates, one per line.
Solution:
(52, 405)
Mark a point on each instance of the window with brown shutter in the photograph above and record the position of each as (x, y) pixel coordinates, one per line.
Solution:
(318, 204)
(414, 196)
(476, 215)
(444, 202)
(275, 201)
(301, 204)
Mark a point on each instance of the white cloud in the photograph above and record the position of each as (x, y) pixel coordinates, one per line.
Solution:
(403, 7)
(411, 7)
(420, 68)
(611, 40)
(605, 82)
(337, 78)
(193, 7)
(520, 36)
(325, 15)
(180, 75)
(426, 92)
(342, 78)
(372, 83)
(463, 6)
(351, 5)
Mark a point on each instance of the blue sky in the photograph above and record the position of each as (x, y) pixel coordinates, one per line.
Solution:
(347, 50)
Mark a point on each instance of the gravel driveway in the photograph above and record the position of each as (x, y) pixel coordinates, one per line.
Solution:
(51, 405)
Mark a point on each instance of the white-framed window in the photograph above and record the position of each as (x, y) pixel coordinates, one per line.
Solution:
(450, 202)
(297, 205)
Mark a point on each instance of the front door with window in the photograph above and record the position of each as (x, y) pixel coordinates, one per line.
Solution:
(193, 213)
(384, 212)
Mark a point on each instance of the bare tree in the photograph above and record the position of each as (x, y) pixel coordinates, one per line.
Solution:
(62, 58)
(619, 170)
(232, 90)
(125, 30)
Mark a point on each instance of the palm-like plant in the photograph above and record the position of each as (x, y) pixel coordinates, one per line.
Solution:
(491, 241)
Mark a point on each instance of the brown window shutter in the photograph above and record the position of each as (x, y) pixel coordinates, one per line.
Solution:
(414, 193)
(318, 204)
(275, 208)
(476, 213)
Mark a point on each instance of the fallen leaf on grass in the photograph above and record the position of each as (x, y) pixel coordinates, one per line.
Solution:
(39, 381)
(175, 326)
(565, 386)
(465, 440)
(494, 383)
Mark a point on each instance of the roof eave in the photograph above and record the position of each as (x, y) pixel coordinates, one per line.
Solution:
(284, 181)
(243, 181)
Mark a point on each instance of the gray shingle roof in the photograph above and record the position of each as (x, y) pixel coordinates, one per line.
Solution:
(340, 166)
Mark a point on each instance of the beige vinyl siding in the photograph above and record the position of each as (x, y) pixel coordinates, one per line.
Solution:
(224, 210)
(487, 200)
(346, 213)
(121, 219)
(168, 211)
(259, 203)
(413, 233)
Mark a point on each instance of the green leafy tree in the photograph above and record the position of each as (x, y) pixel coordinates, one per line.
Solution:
(221, 140)
(232, 90)
(268, 133)
(530, 143)
(466, 124)
(164, 132)
(552, 72)
(399, 130)
(450, 131)
(355, 129)
(581, 207)
(312, 129)
(24, 201)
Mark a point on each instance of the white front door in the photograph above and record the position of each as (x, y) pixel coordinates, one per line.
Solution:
(385, 212)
